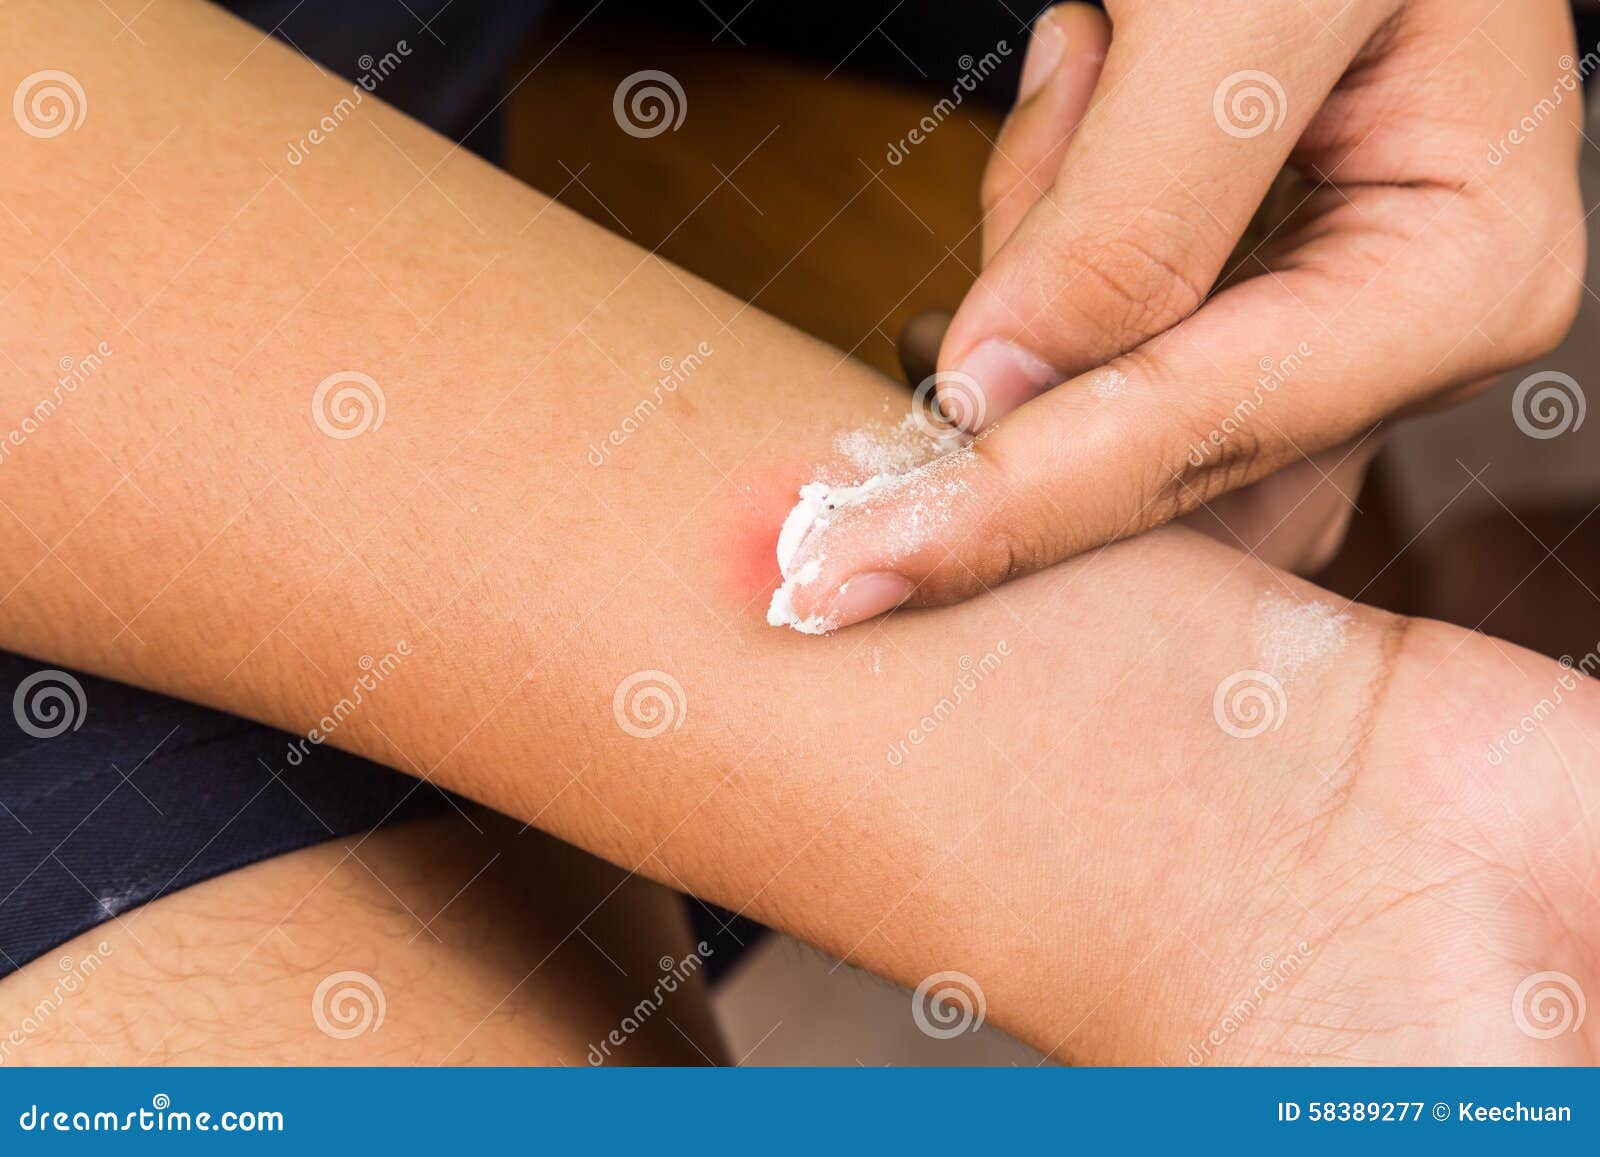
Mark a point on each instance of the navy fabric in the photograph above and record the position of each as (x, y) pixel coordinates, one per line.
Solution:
(111, 797)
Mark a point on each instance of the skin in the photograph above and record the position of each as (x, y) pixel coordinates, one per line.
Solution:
(446, 917)
(1411, 251)
(183, 523)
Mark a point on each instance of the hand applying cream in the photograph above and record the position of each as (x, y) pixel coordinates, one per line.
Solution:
(893, 519)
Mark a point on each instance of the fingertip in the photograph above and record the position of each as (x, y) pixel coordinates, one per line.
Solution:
(866, 596)
(1047, 44)
(995, 377)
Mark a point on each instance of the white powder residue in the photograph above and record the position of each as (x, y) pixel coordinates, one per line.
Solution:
(922, 499)
(884, 449)
(1291, 635)
(1107, 383)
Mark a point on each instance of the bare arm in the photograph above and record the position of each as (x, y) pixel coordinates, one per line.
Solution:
(184, 520)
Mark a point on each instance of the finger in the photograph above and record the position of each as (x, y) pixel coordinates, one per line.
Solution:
(1065, 51)
(1274, 371)
(1185, 133)
(1067, 47)
(1297, 518)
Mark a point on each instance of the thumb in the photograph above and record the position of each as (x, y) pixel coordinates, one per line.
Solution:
(1154, 187)
(1059, 72)
(1274, 370)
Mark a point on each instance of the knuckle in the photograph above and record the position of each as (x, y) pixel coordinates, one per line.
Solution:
(1012, 539)
(1556, 297)
(1538, 267)
(1550, 318)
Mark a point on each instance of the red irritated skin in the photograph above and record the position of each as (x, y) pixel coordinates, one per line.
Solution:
(743, 536)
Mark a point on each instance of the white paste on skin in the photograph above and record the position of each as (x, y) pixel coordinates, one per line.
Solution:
(814, 512)
(923, 495)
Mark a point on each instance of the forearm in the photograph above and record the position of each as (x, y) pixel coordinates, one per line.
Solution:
(184, 522)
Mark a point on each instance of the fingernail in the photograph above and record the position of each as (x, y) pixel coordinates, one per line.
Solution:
(1045, 48)
(866, 596)
(1008, 375)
